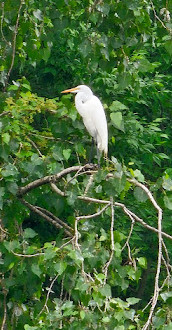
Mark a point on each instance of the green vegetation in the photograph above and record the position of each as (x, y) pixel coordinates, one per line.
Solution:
(62, 267)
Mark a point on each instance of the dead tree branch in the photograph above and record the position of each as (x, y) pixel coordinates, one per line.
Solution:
(14, 42)
(45, 216)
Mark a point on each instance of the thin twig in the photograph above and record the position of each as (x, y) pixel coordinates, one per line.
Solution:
(27, 255)
(4, 113)
(58, 220)
(137, 219)
(158, 19)
(48, 294)
(129, 235)
(2, 21)
(4, 291)
(94, 215)
(35, 146)
(14, 42)
(45, 216)
(57, 190)
(106, 267)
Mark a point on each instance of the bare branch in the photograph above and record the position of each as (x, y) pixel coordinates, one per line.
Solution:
(2, 21)
(129, 235)
(43, 215)
(4, 291)
(90, 216)
(93, 200)
(57, 190)
(137, 219)
(53, 178)
(106, 267)
(55, 218)
(27, 255)
(156, 286)
(14, 42)
(4, 113)
(35, 146)
(158, 19)
(48, 294)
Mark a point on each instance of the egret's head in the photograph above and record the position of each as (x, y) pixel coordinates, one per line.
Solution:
(81, 88)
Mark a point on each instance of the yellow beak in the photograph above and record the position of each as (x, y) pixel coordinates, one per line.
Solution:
(70, 90)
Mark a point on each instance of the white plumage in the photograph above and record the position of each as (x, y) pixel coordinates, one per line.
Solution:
(90, 108)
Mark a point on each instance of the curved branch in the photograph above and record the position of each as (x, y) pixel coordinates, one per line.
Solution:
(53, 178)
(45, 216)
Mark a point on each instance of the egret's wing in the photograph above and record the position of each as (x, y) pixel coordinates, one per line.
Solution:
(95, 121)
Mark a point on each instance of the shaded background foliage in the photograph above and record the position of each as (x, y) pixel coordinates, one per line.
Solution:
(122, 50)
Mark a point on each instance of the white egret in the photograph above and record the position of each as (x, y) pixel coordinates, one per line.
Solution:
(90, 108)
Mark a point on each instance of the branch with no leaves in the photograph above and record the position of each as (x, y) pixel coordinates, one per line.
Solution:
(14, 42)
(45, 216)
(156, 286)
(106, 267)
(48, 294)
(53, 178)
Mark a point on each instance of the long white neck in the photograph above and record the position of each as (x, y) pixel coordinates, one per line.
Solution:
(80, 99)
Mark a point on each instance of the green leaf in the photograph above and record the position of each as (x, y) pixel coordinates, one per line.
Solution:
(29, 233)
(5, 137)
(133, 300)
(117, 120)
(2, 193)
(105, 290)
(11, 245)
(168, 201)
(60, 267)
(82, 315)
(139, 175)
(166, 295)
(10, 170)
(67, 153)
(36, 269)
(12, 187)
(142, 262)
(140, 194)
(167, 183)
(28, 327)
(168, 46)
(116, 106)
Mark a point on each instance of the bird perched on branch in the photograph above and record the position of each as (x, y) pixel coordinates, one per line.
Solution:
(90, 108)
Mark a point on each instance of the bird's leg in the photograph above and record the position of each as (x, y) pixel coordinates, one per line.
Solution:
(98, 157)
(91, 152)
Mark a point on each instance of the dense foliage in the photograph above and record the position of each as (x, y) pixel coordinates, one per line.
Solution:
(59, 269)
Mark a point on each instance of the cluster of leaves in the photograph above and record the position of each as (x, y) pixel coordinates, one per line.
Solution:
(123, 51)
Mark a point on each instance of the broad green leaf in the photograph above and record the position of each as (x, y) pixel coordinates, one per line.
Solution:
(29, 233)
(167, 183)
(168, 201)
(132, 300)
(11, 245)
(117, 120)
(105, 290)
(9, 170)
(140, 194)
(6, 137)
(116, 106)
(139, 175)
(166, 295)
(142, 262)
(36, 269)
(67, 153)
(82, 315)
(60, 267)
